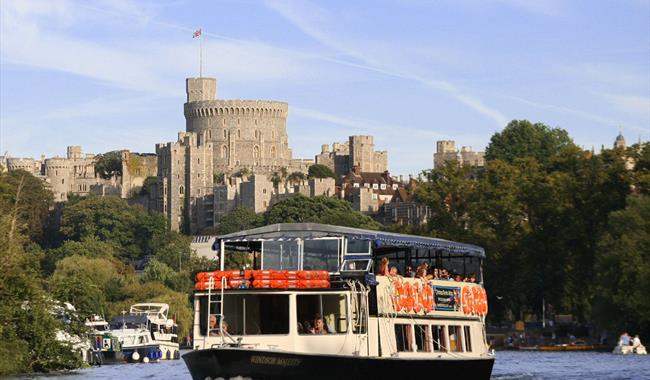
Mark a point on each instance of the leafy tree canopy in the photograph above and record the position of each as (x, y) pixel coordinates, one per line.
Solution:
(320, 171)
(301, 209)
(34, 203)
(239, 219)
(109, 165)
(523, 139)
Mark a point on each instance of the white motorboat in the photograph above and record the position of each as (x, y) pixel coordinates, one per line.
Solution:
(146, 333)
(630, 350)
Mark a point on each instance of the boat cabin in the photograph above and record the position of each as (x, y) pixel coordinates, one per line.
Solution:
(305, 287)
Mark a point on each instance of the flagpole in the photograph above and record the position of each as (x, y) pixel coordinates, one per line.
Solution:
(200, 57)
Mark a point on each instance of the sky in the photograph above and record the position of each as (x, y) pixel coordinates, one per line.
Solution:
(110, 74)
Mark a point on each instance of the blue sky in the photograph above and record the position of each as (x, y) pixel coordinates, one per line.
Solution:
(109, 74)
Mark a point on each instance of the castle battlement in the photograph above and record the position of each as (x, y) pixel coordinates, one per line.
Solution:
(243, 108)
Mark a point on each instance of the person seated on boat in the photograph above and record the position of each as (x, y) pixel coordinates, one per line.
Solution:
(435, 274)
(383, 267)
(307, 328)
(458, 277)
(444, 274)
(214, 326)
(421, 273)
(471, 278)
(409, 272)
(624, 339)
(636, 342)
(394, 273)
(319, 325)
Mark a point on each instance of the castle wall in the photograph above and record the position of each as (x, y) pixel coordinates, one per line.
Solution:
(244, 133)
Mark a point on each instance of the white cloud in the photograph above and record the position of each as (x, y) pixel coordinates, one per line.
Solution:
(305, 16)
(637, 105)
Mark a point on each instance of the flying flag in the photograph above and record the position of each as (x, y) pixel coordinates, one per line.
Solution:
(196, 34)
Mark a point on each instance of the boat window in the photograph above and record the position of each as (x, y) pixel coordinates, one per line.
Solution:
(236, 257)
(330, 310)
(468, 339)
(321, 254)
(454, 339)
(438, 338)
(356, 246)
(361, 265)
(404, 337)
(422, 338)
(280, 255)
(248, 314)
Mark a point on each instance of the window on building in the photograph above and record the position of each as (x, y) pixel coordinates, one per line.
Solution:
(383, 186)
(263, 191)
(374, 196)
(375, 186)
(366, 185)
(224, 151)
(62, 181)
(394, 186)
(455, 344)
(468, 338)
(355, 185)
(330, 308)
(248, 314)
(256, 152)
(238, 134)
(272, 152)
(404, 337)
(181, 190)
(265, 204)
(225, 133)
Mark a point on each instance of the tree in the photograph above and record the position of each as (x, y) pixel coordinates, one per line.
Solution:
(149, 185)
(36, 201)
(296, 177)
(523, 139)
(131, 229)
(320, 171)
(322, 209)
(239, 219)
(89, 246)
(623, 273)
(28, 328)
(158, 271)
(109, 164)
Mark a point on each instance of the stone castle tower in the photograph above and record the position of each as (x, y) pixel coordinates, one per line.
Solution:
(244, 133)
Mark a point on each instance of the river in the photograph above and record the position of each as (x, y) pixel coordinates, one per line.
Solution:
(510, 365)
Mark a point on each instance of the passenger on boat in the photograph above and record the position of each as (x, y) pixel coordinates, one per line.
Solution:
(458, 277)
(383, 267)
(624, 339)
(319, 325)
(636, 342)
(444, 274)
(409, 272)
(471, 278)
(394, 273)
(214, 326)
(435, 274)
(421, 273)
(307, 328)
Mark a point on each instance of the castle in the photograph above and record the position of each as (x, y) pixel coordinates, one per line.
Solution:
(358, 151)
(446, 152)
(75, 173)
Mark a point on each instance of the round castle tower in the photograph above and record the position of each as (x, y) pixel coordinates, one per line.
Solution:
(245, 133)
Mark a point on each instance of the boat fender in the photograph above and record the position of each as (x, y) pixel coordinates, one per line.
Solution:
(145, 360)
(135, 356)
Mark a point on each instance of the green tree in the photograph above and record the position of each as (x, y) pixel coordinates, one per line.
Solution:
(131, 229)
(89, 246)
(296, 177)
(158, 271)
(322, 209)
(109, 164)
(523, 139)
(320, 171)
(33, 210)
(149, 185)
(28, 328)
(239, 219)
(623, 273)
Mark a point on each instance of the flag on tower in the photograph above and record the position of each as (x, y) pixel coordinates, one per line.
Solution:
(196, 34)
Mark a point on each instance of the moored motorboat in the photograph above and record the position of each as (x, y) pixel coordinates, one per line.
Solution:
(146, 334)
(311, 306)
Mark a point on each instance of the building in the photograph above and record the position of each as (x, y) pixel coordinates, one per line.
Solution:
(75, 173)
(368, 191)
(357, 151)
(403, 209)
(257, 192)
(185, 182)
(446, 152)
(248, 134)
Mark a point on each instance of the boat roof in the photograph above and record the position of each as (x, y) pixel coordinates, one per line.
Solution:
(129, 319)
(294, 231)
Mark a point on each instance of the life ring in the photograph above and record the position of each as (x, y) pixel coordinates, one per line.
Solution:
(476, 293)
(468, 301)
(427, 298)
(417, 297)
(406, 297)
(484, 309)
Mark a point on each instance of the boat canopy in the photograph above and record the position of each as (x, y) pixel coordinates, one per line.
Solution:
(128, 321)
(380, 239)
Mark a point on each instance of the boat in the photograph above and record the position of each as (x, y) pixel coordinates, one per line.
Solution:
(146, 333)
(578, 345)
(106, 348)
(305, 300)
(630, 350)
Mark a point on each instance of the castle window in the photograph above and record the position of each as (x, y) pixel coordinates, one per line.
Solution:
(265, 204)
(273, 134)
(272, 152)
(62, 181)
(181, 190)
(224, 123)
(225, 133)
(263, 191)
(256, 152)
(210, 133)
(198, 160)
(238, 134)
(224, 151)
